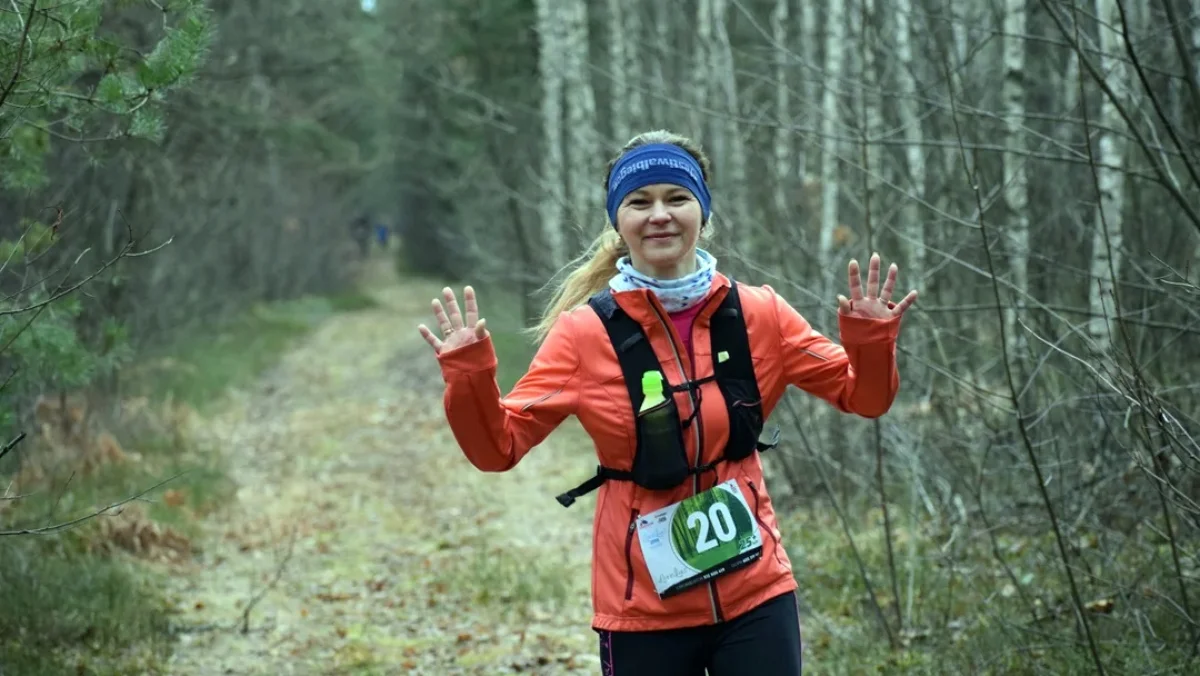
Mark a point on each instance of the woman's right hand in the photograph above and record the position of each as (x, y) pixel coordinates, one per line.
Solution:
(455, 333)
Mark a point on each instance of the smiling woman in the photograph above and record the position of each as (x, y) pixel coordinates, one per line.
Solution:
(672, 368)
(660, 223)
(685, 188)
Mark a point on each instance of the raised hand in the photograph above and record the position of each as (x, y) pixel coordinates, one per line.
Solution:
(875, 304)
(455, 332)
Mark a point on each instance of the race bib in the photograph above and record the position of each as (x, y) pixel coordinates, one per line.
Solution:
(698, 539)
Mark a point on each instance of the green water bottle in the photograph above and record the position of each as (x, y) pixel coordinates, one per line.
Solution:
(662, 460)
(652, 391)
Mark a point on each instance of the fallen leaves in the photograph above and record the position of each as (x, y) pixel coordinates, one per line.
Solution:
(132, 530)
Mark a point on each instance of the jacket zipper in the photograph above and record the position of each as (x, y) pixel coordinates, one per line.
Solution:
(714, 602)
(633, 515)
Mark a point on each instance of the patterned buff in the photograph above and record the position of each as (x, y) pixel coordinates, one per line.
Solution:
(675, 295)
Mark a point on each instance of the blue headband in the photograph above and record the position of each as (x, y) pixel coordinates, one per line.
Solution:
(656, 163)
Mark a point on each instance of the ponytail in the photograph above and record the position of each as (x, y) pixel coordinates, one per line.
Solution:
(595, 267)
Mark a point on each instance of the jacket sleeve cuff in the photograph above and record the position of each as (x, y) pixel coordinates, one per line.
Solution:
(862, 331)
(472, 358)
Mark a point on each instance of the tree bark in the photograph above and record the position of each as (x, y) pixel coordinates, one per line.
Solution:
(551, 206)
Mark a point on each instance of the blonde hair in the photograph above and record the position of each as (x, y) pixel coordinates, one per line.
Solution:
(595, 266)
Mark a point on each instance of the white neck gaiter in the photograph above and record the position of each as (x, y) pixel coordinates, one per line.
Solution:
(675, 294)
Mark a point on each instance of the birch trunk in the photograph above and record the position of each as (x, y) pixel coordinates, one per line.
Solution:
(734, 160)
(700, 73)
(952, 157)
(783, 117)
(1196, 47)
(1196, 66)
(868, 99)
(1016, 187)
(618, 59)
(1106, 240)
(584, 189)
(631, 39)
(808, 42)
(550, 209)
(911, 221)
(663, 72)
(835, 39)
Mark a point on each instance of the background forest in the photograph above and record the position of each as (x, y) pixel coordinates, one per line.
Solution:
(1031, 504)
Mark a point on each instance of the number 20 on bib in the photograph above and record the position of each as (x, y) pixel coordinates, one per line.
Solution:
(698, 539)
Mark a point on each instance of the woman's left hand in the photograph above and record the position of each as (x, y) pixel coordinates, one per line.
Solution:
(875, 304)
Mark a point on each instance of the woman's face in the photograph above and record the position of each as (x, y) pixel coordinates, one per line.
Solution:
(660, 224)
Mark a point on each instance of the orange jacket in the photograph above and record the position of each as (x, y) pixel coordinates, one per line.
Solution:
(575, 372)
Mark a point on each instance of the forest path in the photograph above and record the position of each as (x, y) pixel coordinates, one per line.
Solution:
(392, 554)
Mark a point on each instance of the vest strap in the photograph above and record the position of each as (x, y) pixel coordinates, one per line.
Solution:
(731, 362)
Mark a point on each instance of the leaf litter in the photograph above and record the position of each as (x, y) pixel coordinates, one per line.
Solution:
(361, 541)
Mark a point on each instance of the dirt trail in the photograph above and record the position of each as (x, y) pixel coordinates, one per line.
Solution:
(404, 559)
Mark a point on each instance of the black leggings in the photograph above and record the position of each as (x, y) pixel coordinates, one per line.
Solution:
(762, 642)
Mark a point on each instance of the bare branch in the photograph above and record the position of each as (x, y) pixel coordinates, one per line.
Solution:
(12, 82)
(1080, 616)
(47, 530)
(11, 444)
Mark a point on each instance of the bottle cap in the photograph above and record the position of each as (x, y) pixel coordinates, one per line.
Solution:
(652, 383)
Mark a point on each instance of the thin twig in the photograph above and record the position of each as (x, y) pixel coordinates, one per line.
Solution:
(827, 483)
(270, 585)
(12, 83)
(12, 444)
(1015, 400)
(46, 530)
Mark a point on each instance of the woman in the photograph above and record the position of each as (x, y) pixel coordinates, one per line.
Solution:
(680, 583)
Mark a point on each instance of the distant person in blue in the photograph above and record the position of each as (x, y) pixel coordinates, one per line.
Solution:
(382, 232)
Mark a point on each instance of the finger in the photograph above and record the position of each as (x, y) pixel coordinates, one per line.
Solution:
(481, 329)
(873, 276)
(844, 305)
(433, 340)
(472, 317)
(440, 314)
(456, 320)
(905, 303)
(889, 284)
(855, 281)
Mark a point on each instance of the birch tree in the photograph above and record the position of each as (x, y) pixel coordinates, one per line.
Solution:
(662, 72)
(1016, 186)
(912, 215)
(868, 97)
(701, 70)
(808, 49)
(782, 145)
(1110, 178)
(952, 159)
(1196, 47)
(906, 105)
(584, 190)
(618, 59)
(1196, 68)
(834, 43)
(734, 157)
(553, 165)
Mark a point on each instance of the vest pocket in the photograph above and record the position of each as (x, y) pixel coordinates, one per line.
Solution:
(745, 416)
(661, 461)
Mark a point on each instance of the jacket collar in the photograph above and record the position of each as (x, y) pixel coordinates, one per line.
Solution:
(643, 307)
